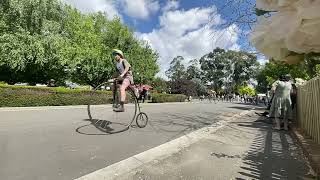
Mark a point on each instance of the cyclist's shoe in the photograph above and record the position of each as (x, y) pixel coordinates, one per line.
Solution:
(115, 106)
(120, 108)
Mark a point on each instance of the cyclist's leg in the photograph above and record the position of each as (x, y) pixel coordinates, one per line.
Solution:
(124, 85)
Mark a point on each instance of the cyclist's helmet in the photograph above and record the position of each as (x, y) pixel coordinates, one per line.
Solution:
(117, 51)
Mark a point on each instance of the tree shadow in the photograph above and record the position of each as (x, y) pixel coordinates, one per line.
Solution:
(250, 104)
(182, 124)
(240, 107)
(273, 155)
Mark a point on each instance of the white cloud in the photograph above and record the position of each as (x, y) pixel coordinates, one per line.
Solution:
(187, 33)
(86, 6)
(180, 21)
(171, 5)
(140, 9)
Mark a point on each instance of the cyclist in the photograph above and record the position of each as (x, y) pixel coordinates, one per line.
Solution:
(126, 77)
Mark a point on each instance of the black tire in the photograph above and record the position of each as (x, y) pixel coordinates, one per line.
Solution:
(142, 120)
(116, 121)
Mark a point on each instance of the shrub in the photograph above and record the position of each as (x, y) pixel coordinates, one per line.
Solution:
(160, 98)
(20, 96)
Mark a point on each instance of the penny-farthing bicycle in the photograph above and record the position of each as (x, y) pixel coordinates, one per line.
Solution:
(103, 116)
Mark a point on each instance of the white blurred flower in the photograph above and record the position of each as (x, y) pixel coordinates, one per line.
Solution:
(274, 5)
(295, 27)
(306, 37)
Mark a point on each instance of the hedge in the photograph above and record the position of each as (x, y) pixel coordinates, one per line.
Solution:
(24, 96)
(160, 98)
(20, 96)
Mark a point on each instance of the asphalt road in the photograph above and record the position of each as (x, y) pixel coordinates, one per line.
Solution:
(60, 143)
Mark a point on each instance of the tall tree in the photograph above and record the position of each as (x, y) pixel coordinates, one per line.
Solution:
(193, 70)
(179, 84)
(176, 70)
(214, 66)
(228, 69)
(245, 66)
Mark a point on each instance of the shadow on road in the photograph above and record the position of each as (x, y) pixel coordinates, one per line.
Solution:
(104, 126)
(241, 107)
(182, 124)
(273, 155)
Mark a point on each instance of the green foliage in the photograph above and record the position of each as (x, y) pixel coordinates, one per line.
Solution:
(30, 42)
(247, 90)
(161, 98)
(317, 68)
(176, 70)
(160, 85)
(219, 68)
(193, 71)
(179, 84)
(45, 39)
(274, 69)
(230, 69)
(19, 96)
(312, 64)
(183, 86)
(200, 87)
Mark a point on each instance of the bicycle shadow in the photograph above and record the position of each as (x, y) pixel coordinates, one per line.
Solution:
(104, 126)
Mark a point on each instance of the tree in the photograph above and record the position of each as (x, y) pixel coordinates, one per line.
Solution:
(45, 39)
(89, 62)
(245, 66)
(247, 90)
(179, 84)
(31, 42)
(200, 87)
(214, 66)
(176, 70)
(160, 84)
(193, 70)
(228, 69)
(183, 86)
(93, 38)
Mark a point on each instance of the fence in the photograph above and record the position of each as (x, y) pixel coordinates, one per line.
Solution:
(308, 108)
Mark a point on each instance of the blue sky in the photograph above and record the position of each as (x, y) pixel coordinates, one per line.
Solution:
(152, 22)
(173, 28)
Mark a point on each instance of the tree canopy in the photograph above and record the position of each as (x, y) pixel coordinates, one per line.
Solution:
(229, 69)
(46, 39)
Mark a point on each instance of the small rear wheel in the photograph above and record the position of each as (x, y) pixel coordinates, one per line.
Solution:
(142, 120)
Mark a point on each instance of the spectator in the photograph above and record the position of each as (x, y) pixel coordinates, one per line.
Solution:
(281, 103)
(143, 94)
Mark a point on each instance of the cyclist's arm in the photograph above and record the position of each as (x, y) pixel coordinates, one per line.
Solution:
(125, 71)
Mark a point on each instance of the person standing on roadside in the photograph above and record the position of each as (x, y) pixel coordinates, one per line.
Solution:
(281, 103)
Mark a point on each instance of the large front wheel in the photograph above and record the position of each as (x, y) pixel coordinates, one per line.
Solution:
(103, 116)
